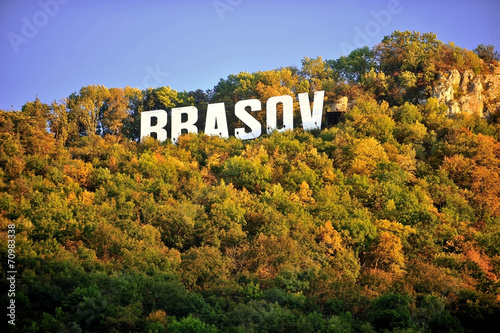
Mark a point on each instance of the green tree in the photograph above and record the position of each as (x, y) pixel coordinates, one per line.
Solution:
(132, 123)
(38, 111)
(351, 68)
(487, 53)
(190, 325)
(407, 51)
(390, 311)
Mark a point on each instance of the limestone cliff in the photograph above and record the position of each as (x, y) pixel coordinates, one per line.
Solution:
(468, 92)
(340, 104)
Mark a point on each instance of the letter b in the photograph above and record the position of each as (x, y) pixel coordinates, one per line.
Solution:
(161, 122)
(383, 17)
(361, 38)
(51, 7)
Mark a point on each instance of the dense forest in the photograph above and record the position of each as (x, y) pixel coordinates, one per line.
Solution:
(387, 221)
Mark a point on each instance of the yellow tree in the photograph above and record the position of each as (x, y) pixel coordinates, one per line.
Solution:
(318, 73)
(86, 108)
(115, 111)
(59, 123)
(367, 154)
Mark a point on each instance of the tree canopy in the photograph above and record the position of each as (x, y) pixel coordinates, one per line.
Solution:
(388, 221)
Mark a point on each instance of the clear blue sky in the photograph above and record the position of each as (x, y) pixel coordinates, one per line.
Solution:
(51, 48)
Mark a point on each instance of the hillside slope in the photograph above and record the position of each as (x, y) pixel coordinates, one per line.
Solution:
(389, 220)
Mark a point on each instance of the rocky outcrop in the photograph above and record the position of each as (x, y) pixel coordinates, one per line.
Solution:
(468, 92)
(340, 105)
(448, 83)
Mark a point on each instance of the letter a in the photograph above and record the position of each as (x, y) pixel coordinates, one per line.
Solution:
(216, 116)
(221, 8)
(15, 40)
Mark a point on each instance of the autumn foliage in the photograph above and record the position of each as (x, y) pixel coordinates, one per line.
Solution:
(386, 221)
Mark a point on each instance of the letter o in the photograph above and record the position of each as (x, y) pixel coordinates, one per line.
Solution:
(43, 16)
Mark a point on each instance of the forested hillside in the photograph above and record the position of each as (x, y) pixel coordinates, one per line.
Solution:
(388, 220)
